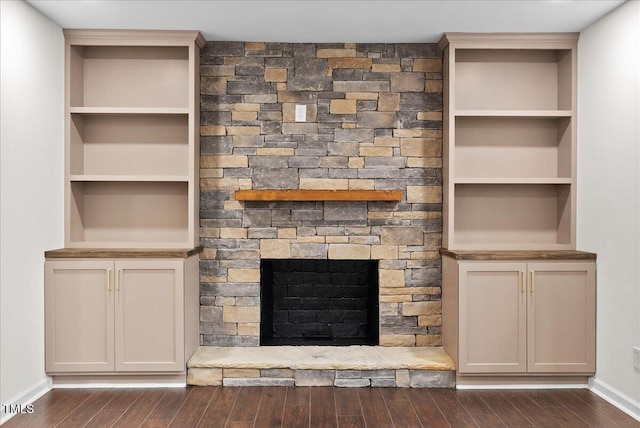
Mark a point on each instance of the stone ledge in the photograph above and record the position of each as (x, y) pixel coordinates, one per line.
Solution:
(415, 379)
(352, 366)
(322, 358)
(255, 381)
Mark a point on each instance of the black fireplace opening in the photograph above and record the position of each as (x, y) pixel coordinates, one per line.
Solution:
(318, 302)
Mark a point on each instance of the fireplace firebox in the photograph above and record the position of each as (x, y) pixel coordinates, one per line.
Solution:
(319, 302)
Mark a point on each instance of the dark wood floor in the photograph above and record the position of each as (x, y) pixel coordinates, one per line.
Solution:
(320, 407)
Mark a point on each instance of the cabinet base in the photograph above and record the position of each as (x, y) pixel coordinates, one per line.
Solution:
(119, 380)
(525, 382)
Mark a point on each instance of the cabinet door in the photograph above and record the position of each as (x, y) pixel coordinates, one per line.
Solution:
(79, 308)
(492, 318)
(561, 324)
(149, 324)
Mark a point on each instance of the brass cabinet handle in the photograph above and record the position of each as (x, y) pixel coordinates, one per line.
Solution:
(521, 281)
(533, 283)
(118, 278)
(108, 279)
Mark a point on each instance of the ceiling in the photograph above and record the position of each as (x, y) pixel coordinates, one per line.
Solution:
(328, 20)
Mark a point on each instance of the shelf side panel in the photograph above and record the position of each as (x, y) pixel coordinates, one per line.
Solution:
(566, 79)
(566, 216)
(75, 75)
(448, 138)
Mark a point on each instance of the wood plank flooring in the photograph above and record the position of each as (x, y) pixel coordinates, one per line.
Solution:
(316, 407)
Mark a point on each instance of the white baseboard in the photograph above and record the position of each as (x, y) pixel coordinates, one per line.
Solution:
(27, 396)
(116, 385)
(525, 386)
(617, 398)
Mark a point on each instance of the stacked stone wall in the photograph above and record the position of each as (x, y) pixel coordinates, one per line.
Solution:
(374, 121)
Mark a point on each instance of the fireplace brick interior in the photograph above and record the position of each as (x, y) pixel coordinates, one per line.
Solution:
(318, 302)
(374, 121)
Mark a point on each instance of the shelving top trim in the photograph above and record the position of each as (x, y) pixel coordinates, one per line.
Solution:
(510, 40)
(133, 37)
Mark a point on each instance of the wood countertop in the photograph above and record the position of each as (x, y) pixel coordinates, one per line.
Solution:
(118, 253)
(518, 255)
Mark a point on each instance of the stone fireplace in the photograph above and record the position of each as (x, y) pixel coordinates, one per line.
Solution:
(373, 122)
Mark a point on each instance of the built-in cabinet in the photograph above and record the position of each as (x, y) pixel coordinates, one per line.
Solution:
(516, 317)
(536, 317)
(120, 315)
(518, 300)
(122, 296)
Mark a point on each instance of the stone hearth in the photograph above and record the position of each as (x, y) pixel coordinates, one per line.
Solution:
(353, 366)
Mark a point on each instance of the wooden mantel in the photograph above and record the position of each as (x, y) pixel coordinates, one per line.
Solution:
(318, 195)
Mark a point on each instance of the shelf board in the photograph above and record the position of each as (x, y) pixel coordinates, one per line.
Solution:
(131, 253)
(512, 180)
(129, 110)
(132, 178)
(514, 113)
(511, 255)
(318, 195)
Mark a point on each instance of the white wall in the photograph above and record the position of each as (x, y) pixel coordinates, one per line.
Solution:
(31, 187)
(609, 189)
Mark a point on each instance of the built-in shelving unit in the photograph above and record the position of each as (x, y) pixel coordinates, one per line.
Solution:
(510, 138)
(132, 123)
(121, 298)
(509, 210)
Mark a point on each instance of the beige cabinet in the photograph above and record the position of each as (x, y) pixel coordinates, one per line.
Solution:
(493, 318)
(561, 317)
(120, 315)
(79, 316)
(149, 325)
(520, 317)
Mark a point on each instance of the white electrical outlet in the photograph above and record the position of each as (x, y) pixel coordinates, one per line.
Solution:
(301, 113)
(636, 358)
